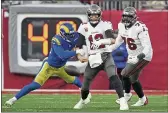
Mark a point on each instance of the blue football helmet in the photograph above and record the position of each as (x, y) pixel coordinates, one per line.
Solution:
(67, 32)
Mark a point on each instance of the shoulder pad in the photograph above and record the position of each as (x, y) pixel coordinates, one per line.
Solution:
(83, 27)
(141, 27)
(120, 25)
(56, 40)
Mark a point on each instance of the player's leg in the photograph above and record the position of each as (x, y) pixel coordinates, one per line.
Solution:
(89, 75)
(133, 71)
(68, 78)
(110, 68)
(127, 83)
(120, 76)
(40, 79)
(137, 85)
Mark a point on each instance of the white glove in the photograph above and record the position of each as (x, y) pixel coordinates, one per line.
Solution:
(80, 51)
(132, 59)
(95, 44)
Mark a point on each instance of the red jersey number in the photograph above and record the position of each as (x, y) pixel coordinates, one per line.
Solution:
(96, 37)
(130, 43)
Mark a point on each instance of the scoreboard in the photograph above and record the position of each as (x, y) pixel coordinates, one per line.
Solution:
(31, 30)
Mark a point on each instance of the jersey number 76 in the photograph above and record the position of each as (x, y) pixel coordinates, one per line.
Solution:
(130, 43)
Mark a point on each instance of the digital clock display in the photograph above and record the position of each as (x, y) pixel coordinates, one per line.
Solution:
(36, 35)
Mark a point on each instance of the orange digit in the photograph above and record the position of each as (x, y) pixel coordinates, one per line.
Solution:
(61, 22)
(39, 38)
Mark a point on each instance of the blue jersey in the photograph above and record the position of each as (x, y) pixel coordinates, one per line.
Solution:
(61, 51)
(120, 56)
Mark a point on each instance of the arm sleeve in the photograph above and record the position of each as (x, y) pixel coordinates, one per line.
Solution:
(58, 49)
(62, 53)
(81, 41)
(118, 42)
(145, 41)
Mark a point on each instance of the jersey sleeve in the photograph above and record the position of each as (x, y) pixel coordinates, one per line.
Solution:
(59, 50)
(144, 38)
(81, 29)
(120, 27)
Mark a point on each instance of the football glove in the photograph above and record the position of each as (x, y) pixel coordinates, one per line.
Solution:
(95, 44)
(132, 59)
(80, 51)
(141, 56)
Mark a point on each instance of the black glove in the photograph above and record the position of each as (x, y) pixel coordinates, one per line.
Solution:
(141, 56)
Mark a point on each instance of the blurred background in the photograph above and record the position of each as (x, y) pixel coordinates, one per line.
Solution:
(22, 56)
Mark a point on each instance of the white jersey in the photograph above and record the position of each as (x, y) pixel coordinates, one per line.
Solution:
(94, 34)
(137, 40)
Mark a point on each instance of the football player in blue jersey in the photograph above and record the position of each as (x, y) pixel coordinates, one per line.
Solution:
(62, 48)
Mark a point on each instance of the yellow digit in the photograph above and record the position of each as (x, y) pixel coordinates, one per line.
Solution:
(39, 38)
(61, 22)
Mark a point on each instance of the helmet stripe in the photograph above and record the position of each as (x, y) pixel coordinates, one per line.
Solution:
(65, 28)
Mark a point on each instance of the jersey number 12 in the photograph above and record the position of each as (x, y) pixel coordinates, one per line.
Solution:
(96, 37)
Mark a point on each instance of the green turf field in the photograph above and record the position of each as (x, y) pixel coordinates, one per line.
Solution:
(65, 103)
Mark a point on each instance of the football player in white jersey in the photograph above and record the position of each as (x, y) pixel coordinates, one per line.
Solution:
(135, 34)
(91, 31)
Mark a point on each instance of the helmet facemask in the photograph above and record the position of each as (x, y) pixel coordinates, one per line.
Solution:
(129, 17)
(128, 20)
(94, 14)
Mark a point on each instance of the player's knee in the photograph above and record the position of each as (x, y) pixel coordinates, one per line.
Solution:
(39, 80)
(123, 73)
(70, 79)
(86, 83)
(133, 80)
(126, 78)
(115, 81)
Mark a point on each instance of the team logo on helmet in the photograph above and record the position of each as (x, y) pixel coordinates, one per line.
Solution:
(67, 31)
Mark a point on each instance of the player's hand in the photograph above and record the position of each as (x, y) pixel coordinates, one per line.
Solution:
(82, 59)
(141, 56)
(95, 44)
(80, 51)
(132, 59)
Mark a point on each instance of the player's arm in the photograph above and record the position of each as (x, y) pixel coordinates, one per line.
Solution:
(110, 36)
(145, 41)
(59, 50)
(118, 42)
(81, 44)
(81, 41)
(109, 33)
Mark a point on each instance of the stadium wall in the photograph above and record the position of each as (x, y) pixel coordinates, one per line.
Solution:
(153, 77)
